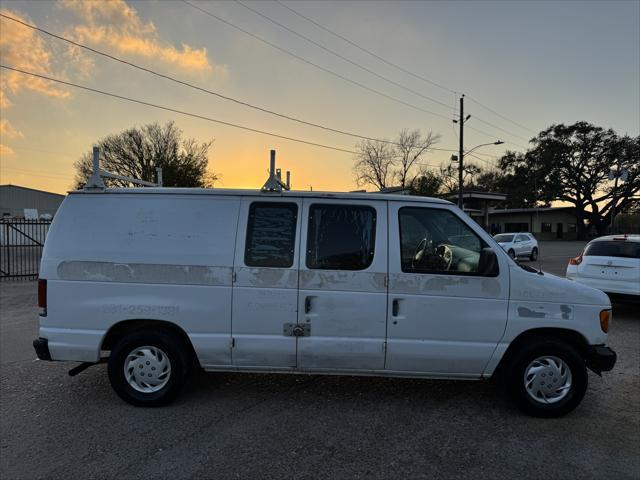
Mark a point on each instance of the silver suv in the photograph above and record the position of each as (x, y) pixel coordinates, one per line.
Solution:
(518, 244)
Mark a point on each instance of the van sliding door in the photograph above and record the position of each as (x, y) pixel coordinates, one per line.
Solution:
(343, 294)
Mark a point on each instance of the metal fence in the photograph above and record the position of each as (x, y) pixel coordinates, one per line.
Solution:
(21, 243)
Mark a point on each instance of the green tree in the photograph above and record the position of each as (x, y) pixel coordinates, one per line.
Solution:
(137, 151)
(572, 164)
(428, 184)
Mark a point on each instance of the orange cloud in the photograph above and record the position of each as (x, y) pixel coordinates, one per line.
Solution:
(4, 150)
(4, 101)
(24, 48)
(116, 24)
(8, 130)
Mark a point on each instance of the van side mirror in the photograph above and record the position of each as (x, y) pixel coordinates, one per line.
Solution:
(488, 263)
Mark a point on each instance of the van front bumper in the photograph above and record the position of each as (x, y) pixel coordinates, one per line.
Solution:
(41, 346)
(601, 358)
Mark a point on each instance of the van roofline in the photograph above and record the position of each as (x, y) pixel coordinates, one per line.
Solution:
(261, 194)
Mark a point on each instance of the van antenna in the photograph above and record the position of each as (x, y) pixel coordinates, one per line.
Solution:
(95, 183)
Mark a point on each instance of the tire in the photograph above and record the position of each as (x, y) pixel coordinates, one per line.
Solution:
(159, 355)
(526, 360)
(512, 253)
(534, 254)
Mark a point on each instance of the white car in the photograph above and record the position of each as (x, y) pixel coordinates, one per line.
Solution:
(155, 281)
(518, 244)
(610, 264)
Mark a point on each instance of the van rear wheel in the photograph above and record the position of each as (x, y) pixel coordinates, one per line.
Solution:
(547, 378)
(148, 368)
(534, 254)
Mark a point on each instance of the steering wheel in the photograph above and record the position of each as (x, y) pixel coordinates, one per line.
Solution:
(440, 257)
(446, 254)
(418, 254)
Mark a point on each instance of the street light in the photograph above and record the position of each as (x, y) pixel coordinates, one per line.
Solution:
(498, 142)
(460, 166)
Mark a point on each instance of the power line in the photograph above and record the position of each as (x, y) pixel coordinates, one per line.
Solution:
(36, 173)
(302, 59)
(59, 154)
(493, 136)
(181, 112)
(369, 51)
(499, 128)
(333, 52)
(205, 90)
(195, 87)
(202, 89)
(402, 69)
(499, 114)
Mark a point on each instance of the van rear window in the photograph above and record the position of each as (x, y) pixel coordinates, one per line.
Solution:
(341, 237)
(271, 234)
(614, 248)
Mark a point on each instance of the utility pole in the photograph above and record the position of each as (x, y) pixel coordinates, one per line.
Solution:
(461, 153)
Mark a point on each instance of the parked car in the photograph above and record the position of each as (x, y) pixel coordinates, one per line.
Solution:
(610, 264)
(158, 280)
(518, 244)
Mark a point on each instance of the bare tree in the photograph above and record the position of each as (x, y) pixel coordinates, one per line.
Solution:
(377, 163)
(410, 147)
(374, 161)
(137, 152)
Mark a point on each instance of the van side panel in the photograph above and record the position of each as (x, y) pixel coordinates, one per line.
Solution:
(110, 258)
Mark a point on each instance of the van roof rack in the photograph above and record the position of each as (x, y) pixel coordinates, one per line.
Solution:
(95, 183)
(274, 183)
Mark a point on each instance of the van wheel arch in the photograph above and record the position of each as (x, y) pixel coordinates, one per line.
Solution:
(571, 337)
(127, 327)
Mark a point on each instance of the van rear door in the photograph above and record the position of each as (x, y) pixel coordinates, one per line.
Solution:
(265, 290)
(343, 294)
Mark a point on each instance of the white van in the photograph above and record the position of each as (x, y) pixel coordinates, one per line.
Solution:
(159, 280)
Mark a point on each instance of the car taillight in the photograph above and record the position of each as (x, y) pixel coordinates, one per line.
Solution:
(576, 260)
(42, 296)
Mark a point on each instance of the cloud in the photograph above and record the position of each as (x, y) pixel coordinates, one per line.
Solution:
(102, 23)
(4, 150)
(4, 100)
(24, 48)
(8, 130)
(117, 25)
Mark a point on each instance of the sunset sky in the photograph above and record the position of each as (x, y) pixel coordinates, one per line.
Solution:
(535, 63)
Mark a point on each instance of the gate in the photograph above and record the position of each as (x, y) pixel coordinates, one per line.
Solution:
(21, 243)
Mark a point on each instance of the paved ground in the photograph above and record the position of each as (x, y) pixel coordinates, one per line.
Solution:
(278, 426)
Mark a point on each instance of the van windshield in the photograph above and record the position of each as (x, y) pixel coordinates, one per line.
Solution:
(504, 238)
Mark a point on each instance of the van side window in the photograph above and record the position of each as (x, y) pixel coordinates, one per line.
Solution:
(271, 234)
(340, 237)
(437, 241)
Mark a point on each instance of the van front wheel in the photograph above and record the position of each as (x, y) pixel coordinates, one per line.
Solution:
(148, 368)
(547, 378)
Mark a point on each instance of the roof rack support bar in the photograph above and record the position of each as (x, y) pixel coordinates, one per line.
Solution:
(274, 182)
(95, 182)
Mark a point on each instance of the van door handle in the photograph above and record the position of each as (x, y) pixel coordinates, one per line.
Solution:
(395, 307)
(307, 304)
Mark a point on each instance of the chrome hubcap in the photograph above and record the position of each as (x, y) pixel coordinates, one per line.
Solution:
(147, 369)
(547, 379)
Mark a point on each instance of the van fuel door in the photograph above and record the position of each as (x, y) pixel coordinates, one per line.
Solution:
(296, 330)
